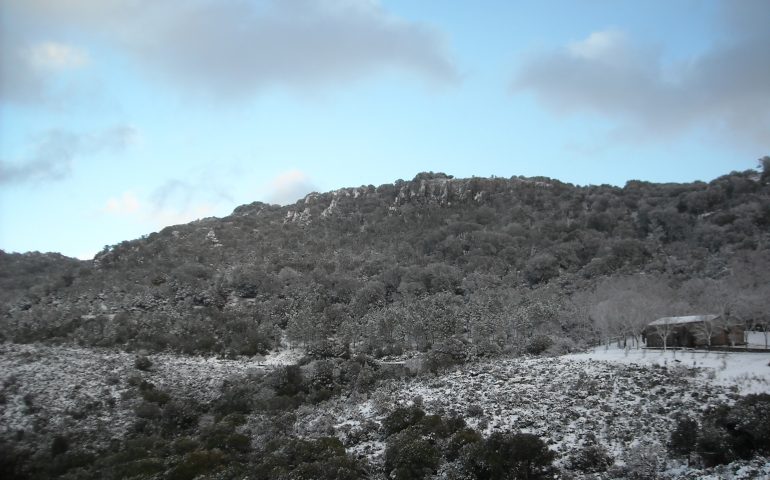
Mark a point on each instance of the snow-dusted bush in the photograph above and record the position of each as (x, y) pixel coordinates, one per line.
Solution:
(591, 457)
(644, 461)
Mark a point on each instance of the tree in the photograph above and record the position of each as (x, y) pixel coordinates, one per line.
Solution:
(764, 164)
(509, 456)
(684, 438)
(663, 328)
(708, 328)
(409, 456)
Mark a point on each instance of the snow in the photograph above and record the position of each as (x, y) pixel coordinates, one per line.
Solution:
(284, 357)
(745, 372)
(682, 320)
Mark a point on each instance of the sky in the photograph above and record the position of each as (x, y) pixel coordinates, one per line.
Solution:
(121, 117)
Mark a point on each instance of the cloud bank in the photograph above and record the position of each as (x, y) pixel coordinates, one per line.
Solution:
(235, 48)
(51, 154)
(725, 89)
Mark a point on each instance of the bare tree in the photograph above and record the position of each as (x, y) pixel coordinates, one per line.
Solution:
(708, 328)
(664, 327)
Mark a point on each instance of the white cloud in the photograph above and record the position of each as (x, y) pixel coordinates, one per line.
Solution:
(288, 187)
(129, 206)
(237, 48)
(607, 45)
(725, 90)
(55, 56)
(125, 204)
(52, 154)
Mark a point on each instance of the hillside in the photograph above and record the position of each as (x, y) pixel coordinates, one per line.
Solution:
(437, 328)
(494, 261)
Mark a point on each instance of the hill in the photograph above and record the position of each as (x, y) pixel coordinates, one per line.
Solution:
(491, 263)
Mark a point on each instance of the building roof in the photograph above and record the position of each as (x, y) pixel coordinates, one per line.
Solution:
(683, 320)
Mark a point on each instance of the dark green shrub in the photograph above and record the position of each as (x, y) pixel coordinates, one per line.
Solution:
(749, 423)
(684, 438)
(59, 445)
(714, 446)
(147, 410)
(402, 418)
(474, 410)
(506, 456)
(459, 440)
(323, 459)
(142, 363)
(434, 425)
(196, 463)
(184, 445)
(409, 456)
(538, 344)
(154, 395)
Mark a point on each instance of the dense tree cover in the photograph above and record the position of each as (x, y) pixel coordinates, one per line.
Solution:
(457, 267)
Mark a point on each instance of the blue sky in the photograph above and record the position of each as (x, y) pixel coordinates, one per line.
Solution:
(119, 117)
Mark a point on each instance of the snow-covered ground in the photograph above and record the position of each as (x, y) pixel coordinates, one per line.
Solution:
(746, 372)
(49, 388)
(624, 399)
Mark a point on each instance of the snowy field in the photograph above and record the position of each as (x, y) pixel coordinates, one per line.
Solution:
(741, 371)
(625, 399)
(48, 388)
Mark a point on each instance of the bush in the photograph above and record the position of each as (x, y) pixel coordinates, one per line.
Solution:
(684, 437)
(196, 463)
(142, 363)
(402, 418)
(475, 410)
(714, 446)
(59, 445)
(320, 459)
(459, 440)
(749, 422)
(409, 456)
(503, 456)
(644, 461)
(147, 410)
(591, 458)
(539, 344)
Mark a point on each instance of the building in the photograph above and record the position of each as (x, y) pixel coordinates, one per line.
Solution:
(693, 331)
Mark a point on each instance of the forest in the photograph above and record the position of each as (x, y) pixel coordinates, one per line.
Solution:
(386, 294)
(454, 268)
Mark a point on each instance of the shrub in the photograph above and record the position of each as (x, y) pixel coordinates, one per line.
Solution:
(502, 456)
(459, 440)
(749, 421)
(644, 461)
(142, 363)
(402, 418)
(591, 458)
(196, 463)
(475, 410)
(59, 445)
(684, 437)
(409, 456)
(322, 459)
(714, 446)
(147, 410)
(539, 344)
